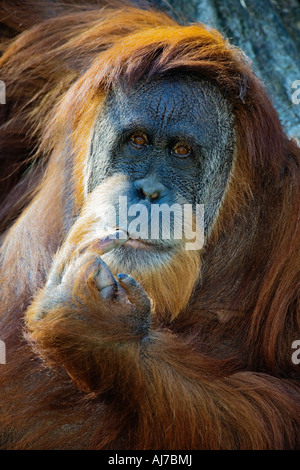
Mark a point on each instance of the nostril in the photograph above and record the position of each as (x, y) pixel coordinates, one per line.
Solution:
(150, 194)
(148, 189)
(141, 193)
(154, 195)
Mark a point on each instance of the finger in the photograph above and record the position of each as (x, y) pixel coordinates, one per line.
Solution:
(113, 240)
(135, 293)
(80, 270)
(105, 281)
(57, 271)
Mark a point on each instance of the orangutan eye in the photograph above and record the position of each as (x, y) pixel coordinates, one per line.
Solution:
(139, 140)
(182, 150)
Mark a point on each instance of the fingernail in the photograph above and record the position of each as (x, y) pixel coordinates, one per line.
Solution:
(121, 276)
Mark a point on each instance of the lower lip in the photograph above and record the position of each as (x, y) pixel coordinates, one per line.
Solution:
(138, 244)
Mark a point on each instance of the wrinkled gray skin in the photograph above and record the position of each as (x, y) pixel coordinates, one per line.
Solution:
(167, 110)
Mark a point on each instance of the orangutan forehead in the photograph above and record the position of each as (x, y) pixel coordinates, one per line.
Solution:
(175, 104)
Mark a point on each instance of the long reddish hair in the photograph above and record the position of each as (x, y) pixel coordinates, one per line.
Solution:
(57, 76)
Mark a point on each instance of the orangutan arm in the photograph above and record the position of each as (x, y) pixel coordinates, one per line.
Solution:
(100, 331)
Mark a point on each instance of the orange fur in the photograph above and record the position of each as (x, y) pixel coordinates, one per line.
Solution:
(219, 375)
